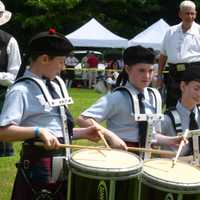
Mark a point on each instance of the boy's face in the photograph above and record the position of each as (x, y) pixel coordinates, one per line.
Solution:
(54, 66)
(140, 75)
(191, 92)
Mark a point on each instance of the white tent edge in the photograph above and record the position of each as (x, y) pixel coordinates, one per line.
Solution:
(93, 34)
(152, 36)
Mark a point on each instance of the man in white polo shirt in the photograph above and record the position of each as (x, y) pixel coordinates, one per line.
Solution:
(181, 47)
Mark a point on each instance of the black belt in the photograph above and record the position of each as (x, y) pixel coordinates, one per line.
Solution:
(132, 144)
(179, 67)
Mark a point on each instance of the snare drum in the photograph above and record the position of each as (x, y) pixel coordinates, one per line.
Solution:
(104, 175)
(161, 181)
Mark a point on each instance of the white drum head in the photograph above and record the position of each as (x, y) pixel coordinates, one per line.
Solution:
(182, 175)
(109, 162)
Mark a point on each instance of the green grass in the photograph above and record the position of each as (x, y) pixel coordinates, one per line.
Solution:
(83, 98)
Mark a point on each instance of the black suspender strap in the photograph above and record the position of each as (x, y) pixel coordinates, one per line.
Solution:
(176, 120)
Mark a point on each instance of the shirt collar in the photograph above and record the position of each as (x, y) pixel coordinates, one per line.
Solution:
(29, 73)
(184, 110)
(132, 87)
(193, 30)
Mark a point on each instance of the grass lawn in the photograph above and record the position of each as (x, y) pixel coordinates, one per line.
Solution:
(83, 98)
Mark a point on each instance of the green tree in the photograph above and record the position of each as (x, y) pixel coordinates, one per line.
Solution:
(123, 17)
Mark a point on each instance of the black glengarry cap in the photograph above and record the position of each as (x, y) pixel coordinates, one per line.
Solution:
(138, 54)
(51, 43)
(192, 73)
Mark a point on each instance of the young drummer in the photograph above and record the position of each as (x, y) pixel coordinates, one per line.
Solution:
(117, 107)
(29, 113)
(186, 114)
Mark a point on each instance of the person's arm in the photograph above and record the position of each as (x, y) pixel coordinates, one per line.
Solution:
(18, 133)
(162, 62)
(166, 135)
(112, 138)
(161, 65)
(168, 140)
(90, 133)
(14, 62)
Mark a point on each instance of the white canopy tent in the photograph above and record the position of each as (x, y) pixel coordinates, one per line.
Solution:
(152, 36)
(93, 34)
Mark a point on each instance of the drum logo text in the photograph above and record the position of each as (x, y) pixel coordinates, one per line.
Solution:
(102, 191)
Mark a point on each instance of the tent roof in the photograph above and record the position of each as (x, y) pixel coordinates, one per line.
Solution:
(152, 36)
(93, 34)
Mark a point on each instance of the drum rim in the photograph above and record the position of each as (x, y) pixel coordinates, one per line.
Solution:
(104, 172)
(162, 184)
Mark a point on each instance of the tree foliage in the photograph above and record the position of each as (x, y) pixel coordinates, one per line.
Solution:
(123, 17)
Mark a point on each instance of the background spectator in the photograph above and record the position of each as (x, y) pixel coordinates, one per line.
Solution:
(92, 62)
(68, 74)
(10, 61)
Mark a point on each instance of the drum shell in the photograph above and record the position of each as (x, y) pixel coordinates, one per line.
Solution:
(100, 189)
(160, 189)
(88, 183)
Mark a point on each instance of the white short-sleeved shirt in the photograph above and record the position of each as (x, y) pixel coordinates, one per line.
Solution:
(182, 47)
(116, 109)
(168, 129)
(26, 106)
(14, 62)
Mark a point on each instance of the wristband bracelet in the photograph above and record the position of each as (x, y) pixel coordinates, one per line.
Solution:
(37, 131)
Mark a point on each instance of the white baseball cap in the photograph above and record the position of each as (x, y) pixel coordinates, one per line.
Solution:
(4, 14)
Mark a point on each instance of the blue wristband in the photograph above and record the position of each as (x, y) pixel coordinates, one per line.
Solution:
(37, 131)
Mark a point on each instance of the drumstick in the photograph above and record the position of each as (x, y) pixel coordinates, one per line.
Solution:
(103, 139)
(74, 146)
(153, 151)
(100, 134)
(180, 147)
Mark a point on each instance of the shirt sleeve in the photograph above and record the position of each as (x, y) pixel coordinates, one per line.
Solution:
(14, 62)
(163, 46)
(167, 127)
(12, 110)
(156, 129)
(103, 109)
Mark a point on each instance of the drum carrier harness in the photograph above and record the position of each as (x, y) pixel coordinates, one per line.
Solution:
(62, 103)
(150, 118)
(177, 124)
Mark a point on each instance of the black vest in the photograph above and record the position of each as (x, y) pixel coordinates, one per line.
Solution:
(4, 40)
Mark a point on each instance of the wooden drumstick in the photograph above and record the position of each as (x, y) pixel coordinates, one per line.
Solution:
(73, 146)
(103, 139)
(180, 147)
(153, 151)
(100, 134)
(136, 149)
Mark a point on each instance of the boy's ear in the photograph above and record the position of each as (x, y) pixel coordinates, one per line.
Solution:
(182, 86)
(44, 59)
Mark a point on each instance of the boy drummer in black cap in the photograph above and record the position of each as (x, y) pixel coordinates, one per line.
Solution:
(186, 114)
(32, 111)
(118, 108)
